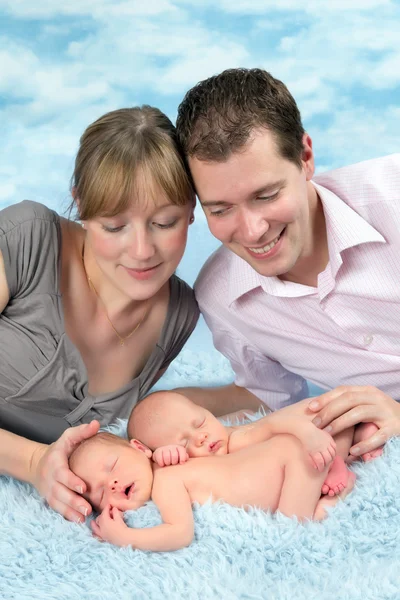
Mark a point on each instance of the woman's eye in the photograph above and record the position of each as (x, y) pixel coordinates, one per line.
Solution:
(112, 229)
(166, 225)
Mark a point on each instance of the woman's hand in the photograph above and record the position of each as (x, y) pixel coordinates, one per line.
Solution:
(52, 477)
(346, 406)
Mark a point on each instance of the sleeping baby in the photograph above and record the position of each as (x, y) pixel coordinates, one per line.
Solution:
(275, 475)
(175, 428)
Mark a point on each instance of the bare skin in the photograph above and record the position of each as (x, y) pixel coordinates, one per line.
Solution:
(175, 429)
(106, 257)
(273, 475)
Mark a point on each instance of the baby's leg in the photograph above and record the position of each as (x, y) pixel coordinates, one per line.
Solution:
(363, 432)
(338, 476)
(301, 488)
(329, 501)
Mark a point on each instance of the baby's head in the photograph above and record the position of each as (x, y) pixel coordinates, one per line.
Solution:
(115, 471)
(165, 418)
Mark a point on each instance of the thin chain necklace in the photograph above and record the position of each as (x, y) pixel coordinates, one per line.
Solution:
(122, 340)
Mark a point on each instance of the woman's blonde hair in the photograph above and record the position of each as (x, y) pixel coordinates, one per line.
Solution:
(120, 149)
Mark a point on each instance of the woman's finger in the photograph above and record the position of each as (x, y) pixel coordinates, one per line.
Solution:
(67, 511)
(66, 477)
(73, 436)
(61, 495)
(375, 441)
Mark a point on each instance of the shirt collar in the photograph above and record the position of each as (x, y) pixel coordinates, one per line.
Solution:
(345, 229)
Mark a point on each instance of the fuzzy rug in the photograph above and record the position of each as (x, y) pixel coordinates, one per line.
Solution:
(354, 554)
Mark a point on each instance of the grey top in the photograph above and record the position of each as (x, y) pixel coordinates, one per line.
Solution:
(43, 379)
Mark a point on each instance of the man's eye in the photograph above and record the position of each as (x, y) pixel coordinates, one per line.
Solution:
(219, 213)
(267, 198)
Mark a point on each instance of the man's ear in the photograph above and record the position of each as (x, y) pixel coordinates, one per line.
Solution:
(139, 446)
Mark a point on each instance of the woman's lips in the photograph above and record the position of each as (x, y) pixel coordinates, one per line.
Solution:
(142, 274)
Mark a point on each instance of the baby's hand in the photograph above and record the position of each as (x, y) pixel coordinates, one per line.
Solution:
(111, 527)
(173, 454)
(320, 446)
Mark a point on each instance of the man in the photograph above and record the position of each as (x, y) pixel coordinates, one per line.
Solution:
(305, 286)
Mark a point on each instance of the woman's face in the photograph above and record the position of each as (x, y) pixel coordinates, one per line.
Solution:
(139, 249)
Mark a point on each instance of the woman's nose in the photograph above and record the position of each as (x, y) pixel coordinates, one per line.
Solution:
(141, 246)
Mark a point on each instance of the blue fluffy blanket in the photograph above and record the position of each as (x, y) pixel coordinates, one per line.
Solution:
(354, 554)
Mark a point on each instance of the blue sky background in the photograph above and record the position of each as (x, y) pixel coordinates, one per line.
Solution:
(62, 65)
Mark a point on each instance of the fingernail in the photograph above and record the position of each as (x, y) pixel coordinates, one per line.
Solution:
(83, 510)
(356, 450)
(313, 404)
(79, 489)
(328, 428)
(317, 421)
(78, 519)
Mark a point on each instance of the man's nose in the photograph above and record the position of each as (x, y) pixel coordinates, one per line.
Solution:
(252, 226)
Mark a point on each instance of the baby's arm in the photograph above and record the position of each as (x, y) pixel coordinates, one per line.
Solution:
(318, 443)
(173, 501)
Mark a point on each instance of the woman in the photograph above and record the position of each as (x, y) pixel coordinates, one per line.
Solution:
(91, 315)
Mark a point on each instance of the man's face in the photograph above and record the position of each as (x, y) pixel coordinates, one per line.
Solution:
(259, 204)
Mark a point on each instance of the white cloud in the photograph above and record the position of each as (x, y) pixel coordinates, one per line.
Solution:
(313, 7)
(105, 9)
(116, 53)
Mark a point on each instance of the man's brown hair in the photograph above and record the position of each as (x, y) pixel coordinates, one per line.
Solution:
(218, 115)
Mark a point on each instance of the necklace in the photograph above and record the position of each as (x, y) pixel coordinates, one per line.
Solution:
(122, 340)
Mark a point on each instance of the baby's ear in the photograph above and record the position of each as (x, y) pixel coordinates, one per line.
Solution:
(139, 446)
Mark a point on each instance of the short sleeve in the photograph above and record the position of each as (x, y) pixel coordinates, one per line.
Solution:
(182, 321)
(30, 240)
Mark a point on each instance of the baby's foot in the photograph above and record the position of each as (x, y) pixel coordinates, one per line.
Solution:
(363, 432)
(337, 479)
(329, 502)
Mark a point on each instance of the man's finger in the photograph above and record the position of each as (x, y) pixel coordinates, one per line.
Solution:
(375, 441)
(360, 392)
(344, 413)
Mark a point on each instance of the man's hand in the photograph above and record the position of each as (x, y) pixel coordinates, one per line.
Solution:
(52, 477)
(111, 527)
(173, 454)
(346, 406)
(319, 445)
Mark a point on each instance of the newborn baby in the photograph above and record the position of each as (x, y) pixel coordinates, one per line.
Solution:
(175, 429)
(273, 475)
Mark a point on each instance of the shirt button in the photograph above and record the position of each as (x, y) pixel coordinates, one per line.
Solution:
(367, 339)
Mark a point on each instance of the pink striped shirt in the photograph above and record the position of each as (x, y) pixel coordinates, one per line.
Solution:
(278, 334)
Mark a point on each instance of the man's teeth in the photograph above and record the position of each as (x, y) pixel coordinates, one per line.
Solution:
(266, 248)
